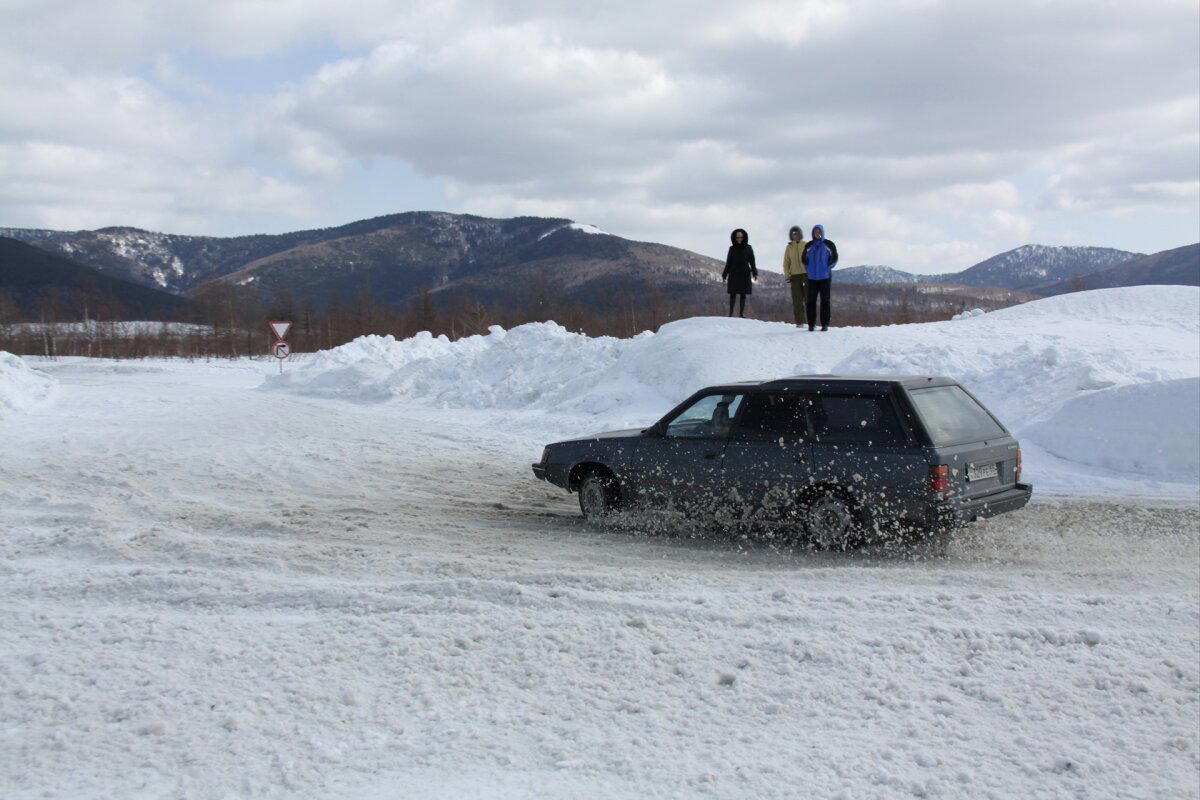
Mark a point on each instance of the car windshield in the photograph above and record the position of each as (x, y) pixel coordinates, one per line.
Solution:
(952, 416)
(708, 417)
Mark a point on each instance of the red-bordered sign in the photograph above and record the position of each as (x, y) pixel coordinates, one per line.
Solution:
(281, 349)
(281, 329)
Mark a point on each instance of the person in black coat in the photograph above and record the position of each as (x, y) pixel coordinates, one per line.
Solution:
(739, 270)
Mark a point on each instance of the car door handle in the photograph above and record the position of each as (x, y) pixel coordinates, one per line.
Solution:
(711, 453)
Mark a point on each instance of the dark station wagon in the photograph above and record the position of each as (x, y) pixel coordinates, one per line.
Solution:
(838, 458)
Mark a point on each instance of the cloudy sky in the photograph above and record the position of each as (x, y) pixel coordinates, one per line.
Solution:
(924, 134)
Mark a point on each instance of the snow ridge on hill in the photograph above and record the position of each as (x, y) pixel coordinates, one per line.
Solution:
(153, 251)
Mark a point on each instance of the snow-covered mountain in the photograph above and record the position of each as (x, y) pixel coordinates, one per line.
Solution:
(1026, 268)
(1033, 265)
(876, 275)
(160, 260)
(1177, 267)
(33, 279)
(392, 257)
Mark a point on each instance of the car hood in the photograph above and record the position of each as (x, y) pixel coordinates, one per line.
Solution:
(631, 433)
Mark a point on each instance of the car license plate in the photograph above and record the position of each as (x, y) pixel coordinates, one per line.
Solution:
(981, 472)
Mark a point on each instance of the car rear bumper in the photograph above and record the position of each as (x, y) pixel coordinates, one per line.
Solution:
(540, 471)
(989, 505)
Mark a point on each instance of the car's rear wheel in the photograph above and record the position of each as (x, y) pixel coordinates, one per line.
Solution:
(830, 521)
(598, 496)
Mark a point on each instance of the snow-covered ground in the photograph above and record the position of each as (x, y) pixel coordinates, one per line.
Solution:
(213, 590)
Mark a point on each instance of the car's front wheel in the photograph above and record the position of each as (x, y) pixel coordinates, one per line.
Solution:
(830, 521)
(598, 495)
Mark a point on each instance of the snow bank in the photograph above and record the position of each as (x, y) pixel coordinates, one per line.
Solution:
(1147, 428)
(1031, 364)
(21, 386)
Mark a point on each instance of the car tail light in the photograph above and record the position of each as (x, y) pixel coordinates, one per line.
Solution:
(939, 480)
(1017, 471)
(545, 454)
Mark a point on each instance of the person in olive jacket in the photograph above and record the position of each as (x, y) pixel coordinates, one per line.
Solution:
(820, 256)
(794, 272)
(739, 270)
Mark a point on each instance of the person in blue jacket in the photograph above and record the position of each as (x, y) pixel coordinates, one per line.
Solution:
(819, 258)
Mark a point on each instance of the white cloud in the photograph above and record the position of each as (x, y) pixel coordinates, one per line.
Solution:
(906, 126)
(1128, 175)
(84, 149)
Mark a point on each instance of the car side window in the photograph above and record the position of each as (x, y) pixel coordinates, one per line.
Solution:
(772, 416)
(856, 419)
(708, 418)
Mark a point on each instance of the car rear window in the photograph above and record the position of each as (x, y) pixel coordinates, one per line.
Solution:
(952, 416)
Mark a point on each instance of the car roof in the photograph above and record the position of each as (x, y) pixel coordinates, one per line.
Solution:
(832, 380)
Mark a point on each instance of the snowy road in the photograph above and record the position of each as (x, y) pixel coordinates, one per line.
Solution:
(213, 591)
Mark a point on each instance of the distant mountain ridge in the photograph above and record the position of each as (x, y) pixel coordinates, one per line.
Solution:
(32, 278)
(1179, 266)
(177, 262)
(394, 256)
(876, 275)
(1027, 267)
(1045, 271)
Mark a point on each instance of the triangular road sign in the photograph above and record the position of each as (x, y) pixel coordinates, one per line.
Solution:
(280, 328)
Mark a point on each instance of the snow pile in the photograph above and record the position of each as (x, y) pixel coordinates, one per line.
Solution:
(1146, 427)
(536, 365)
(1051, 370)
(974, 312)
(21, 386)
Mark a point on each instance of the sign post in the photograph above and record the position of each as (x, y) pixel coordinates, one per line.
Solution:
(281, 349)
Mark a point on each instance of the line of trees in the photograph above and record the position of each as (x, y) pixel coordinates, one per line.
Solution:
(231, 322)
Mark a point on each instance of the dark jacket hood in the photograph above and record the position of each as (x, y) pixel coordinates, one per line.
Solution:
(745, 236)
(796, 229)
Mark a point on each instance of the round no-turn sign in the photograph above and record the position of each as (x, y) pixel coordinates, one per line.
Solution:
(281, 350)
